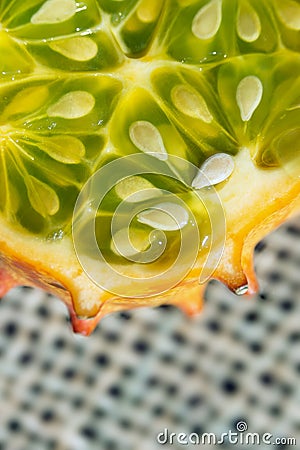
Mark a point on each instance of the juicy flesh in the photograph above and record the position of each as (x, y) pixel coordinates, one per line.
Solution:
(84, 84)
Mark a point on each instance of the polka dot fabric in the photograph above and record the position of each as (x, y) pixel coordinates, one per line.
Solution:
(150, 369)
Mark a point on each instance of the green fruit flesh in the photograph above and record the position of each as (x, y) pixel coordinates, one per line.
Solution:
(84, 84)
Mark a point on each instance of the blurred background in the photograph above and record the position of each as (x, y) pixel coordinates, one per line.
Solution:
(147, 370)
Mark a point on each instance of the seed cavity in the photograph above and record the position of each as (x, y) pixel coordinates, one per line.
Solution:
(136, 189)
(248, 23)
(42, 197)
(248, 96)
(73, 105)
(289, 140)
(287, 150)
(208, 19)
(65, 149)
(165, 216)
(54, 11)
(190, 103)
(26, 101)
(78, 48)
(214, 170)
(146, 137)
(289, 13)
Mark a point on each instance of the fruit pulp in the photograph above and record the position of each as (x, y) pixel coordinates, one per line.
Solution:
(84, 84)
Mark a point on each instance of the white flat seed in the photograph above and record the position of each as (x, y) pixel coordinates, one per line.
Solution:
(42, 197)
(248, 23)
(190, 103)
(289, 13)
(214, 170)
(121, 243)
(207, 21)
(147, 11)
(54, 11)
(78, 48)
(248, 96)
(27, 100)
(146, 137)
(72, 105)
(165, 216)
(135, 189)
(66, 149)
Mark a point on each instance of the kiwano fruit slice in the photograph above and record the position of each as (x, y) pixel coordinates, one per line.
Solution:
(146, 146)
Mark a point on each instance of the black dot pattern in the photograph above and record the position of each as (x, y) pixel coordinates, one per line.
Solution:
(149, 369)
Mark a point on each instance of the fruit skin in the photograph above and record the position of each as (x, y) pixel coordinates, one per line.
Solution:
(256, 200)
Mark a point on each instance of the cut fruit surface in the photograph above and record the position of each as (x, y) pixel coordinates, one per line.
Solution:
(205, 92)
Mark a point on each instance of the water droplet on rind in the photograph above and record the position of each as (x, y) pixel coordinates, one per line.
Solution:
(242, 290)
